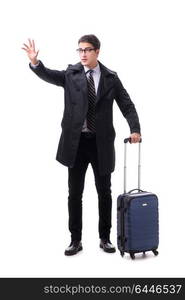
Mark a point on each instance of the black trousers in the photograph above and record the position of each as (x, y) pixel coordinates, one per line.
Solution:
(87, 153)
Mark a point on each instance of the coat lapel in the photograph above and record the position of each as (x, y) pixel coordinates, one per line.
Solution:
(106, 82)
(80, 80)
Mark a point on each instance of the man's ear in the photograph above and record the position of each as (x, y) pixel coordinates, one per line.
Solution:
(97, 51)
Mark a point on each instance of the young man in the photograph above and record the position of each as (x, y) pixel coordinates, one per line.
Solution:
(87, 131)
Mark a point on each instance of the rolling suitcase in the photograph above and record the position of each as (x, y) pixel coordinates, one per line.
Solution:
(137, 217)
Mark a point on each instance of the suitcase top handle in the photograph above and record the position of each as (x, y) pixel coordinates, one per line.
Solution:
(139, 190)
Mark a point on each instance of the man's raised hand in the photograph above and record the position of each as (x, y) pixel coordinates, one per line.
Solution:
(31, 52)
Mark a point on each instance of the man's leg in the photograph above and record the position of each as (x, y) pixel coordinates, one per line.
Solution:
(103, 187)
(76, 176)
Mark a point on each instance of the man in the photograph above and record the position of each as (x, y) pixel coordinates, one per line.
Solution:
(87, 131)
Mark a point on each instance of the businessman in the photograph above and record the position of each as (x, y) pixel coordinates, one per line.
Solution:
(87, 131)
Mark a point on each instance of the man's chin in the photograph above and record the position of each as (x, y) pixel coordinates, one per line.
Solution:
(84, 63)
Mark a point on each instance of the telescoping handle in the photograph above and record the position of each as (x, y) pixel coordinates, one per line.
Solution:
(125, 163)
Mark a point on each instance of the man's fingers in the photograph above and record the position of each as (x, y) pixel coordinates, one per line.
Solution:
(135, 138)
(24, 49)
(26, 46)
(33, 43)
(30, 42)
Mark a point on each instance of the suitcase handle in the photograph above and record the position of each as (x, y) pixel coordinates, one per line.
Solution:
(129, 140)
(139, 190)
(139, 162)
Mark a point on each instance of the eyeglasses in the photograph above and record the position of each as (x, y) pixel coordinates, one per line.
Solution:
(86, 50)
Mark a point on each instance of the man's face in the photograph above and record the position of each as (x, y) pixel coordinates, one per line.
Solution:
(88, 57)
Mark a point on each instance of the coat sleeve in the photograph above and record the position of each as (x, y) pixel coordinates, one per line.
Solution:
(51, 76)
(127, 107)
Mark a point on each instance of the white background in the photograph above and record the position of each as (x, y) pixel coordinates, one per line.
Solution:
(144, 42)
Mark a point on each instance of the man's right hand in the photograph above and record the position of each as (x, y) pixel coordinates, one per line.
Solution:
(31, 52)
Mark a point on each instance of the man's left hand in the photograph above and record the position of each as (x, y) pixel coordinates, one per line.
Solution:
(135, 137)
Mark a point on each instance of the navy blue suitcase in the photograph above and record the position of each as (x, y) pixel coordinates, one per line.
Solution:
(137, 218)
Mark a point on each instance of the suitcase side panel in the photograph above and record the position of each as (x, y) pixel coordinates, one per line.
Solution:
(119, 222)
(122, 201)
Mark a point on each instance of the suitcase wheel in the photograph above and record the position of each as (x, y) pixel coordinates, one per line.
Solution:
(155, 252)
(122, 253)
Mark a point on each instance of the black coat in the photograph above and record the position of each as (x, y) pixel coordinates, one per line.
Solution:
(74, 82)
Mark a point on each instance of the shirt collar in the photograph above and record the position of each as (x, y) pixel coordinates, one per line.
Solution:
(96, 69)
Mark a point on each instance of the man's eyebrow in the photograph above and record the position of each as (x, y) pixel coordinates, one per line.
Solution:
(85, 48)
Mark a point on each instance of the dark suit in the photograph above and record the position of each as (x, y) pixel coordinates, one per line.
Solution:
(70, 150)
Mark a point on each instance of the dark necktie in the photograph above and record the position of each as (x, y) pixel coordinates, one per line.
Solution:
(91, 102)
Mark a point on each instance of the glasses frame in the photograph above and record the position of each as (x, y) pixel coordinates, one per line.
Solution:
(85, 50)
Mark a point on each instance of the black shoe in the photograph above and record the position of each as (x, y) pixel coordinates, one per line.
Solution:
(107, 246)
(73, 248)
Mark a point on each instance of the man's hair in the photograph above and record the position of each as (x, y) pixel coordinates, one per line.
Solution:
(90, 38)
